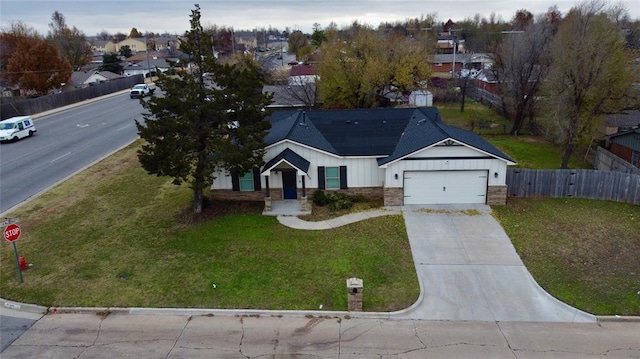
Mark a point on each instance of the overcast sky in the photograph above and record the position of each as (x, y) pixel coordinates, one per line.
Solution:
(172, 16)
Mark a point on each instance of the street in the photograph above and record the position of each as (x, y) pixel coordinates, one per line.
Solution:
(67, 141)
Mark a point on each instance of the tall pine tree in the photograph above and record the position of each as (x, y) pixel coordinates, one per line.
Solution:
(208, 119)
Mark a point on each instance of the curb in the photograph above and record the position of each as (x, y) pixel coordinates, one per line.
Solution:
(618, 319)
(23, 307)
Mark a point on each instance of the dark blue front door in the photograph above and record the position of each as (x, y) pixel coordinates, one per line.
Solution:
(289, 185)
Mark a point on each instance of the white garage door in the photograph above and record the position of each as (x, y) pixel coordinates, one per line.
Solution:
(445, 187)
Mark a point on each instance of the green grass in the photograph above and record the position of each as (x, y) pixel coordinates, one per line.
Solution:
(528, 151)
(115, 236)
(534, 152)
(476, 117)
(583, 252)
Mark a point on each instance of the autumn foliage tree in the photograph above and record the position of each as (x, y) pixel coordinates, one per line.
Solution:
(31, 62)
(360, 66)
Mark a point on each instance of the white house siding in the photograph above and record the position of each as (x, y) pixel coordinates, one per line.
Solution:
(491, 164)
(94, 78)
(361, 172)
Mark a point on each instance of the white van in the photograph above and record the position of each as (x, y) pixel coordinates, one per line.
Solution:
(15, 128)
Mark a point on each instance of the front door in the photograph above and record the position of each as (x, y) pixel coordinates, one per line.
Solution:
(289, 188)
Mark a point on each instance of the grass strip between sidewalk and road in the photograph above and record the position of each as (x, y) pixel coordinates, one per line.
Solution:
(115, 236)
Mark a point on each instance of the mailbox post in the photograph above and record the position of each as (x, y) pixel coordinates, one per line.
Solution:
(354, 292)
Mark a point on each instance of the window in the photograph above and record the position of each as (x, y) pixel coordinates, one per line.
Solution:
(246, 182)
(332, 177)
(250, 181)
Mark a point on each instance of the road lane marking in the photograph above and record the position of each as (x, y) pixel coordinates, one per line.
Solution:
(65, 155)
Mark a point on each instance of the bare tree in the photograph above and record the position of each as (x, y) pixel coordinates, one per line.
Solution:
(71, 42)
(589, 76)
(522, 60)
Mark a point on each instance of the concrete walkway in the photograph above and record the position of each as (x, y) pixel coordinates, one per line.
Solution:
(467, 267)
(297, 223)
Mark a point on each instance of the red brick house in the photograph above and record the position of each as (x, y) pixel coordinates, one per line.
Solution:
(626, 145)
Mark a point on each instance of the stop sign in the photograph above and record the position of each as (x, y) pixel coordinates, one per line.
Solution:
(12, 232)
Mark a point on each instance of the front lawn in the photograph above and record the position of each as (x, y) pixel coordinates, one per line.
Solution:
(583, 252)
(115, 236)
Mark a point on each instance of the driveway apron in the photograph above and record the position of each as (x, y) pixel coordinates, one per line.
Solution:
(469, 270)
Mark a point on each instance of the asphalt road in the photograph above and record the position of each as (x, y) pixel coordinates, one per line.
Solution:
(66, 142)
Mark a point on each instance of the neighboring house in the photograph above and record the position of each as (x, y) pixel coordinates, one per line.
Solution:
(403, 156)
(168, 43)
(621, 122)
(136, 44)
(145, 66)
(487, 80)
(302, 74)
(103, 46)
(443, 63)
(81, 79)
(626, 145)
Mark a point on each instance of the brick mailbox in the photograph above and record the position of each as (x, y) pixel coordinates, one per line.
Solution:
(354, 290)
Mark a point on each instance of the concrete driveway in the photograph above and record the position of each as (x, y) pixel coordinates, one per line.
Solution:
(469, 270)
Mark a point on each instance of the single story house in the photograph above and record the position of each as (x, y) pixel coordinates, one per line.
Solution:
(145, 66)
(80, 79)
(401, 155)
(626, 145)
(621, 122)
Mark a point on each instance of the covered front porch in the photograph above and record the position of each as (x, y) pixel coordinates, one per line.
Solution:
(287, 172)
(287, 207)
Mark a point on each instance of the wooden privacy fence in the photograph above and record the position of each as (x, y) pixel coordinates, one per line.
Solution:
(592, 184)
(49, 102)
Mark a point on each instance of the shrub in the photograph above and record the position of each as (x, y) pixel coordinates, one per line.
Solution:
(319, 198)
(336, 200)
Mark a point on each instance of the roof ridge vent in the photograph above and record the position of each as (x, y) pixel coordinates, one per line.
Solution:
(424, 120)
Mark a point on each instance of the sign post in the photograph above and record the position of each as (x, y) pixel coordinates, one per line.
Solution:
(12, 233)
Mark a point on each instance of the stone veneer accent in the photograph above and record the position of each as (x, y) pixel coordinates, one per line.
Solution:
(229, 195)
(394, 196)
(497, 195)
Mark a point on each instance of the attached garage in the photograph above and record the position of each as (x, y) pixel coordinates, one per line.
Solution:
(445, 187)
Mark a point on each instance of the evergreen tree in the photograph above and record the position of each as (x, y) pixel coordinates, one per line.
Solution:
(111, 62)
(205, 122)
(125, 51)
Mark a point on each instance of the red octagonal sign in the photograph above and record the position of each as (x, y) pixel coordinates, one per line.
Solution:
(12, 232)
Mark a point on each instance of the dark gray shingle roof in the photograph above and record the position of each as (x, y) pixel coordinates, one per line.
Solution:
(390, 134)
(290, 156)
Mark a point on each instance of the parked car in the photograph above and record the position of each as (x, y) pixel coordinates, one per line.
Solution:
(142, 90)
(15, 128)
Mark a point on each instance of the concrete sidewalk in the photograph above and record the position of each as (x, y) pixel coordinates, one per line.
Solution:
(86, 336)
